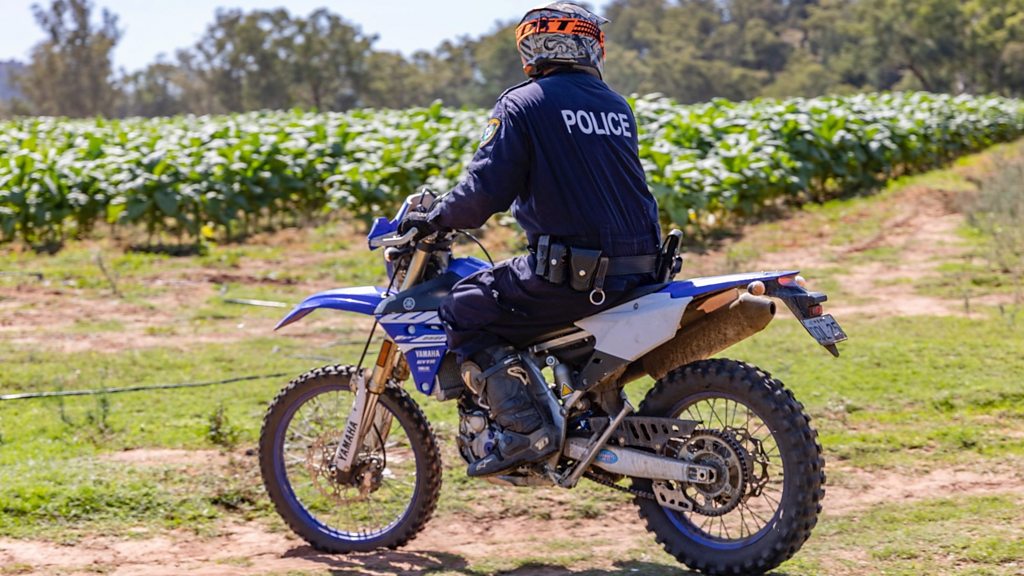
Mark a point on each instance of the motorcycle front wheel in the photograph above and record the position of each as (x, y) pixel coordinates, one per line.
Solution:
(394, 486)
(769, 470)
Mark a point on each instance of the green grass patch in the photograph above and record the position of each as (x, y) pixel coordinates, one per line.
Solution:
(967, 278)
(87, 326)
(64, 499)
(69, 427)
(956, 535)
(78, 266)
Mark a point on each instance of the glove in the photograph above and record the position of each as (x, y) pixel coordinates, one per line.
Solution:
(421, 222)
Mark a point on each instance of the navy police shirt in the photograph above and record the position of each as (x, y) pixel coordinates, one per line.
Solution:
(562, 151)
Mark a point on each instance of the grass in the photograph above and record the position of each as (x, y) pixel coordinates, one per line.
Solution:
(941, 535)
(853, 220)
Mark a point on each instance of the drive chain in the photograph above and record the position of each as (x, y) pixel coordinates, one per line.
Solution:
(605, 482)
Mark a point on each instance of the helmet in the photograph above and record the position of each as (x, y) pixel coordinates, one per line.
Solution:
(560, 33)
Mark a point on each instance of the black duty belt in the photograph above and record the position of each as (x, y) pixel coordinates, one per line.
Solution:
(585, 269)
(626, 265)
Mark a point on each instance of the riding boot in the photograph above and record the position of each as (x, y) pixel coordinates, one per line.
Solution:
(527, 435)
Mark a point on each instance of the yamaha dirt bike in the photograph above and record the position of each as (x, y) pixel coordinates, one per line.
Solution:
(720, 458)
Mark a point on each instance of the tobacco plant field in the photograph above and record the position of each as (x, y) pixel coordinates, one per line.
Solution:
(221, 177)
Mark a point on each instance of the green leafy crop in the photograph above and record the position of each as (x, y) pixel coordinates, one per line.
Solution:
(190, 177)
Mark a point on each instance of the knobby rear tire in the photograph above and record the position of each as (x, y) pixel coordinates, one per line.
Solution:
(406, 413)
(800, 454)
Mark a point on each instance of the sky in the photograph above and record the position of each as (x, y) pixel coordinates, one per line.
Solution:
(152, 27)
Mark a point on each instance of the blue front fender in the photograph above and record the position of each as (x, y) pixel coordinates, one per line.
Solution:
(363, 300)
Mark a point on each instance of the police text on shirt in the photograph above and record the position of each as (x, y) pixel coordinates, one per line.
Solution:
(603, 123)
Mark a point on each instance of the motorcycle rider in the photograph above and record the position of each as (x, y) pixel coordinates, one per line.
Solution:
(561, 149)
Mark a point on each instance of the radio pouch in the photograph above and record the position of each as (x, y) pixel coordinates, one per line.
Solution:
(583, 268)
(556, 263)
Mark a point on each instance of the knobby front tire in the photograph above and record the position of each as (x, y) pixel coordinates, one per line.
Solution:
(301, 430)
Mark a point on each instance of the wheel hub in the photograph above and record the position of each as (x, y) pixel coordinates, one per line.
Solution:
(367, 474)
(721, 452)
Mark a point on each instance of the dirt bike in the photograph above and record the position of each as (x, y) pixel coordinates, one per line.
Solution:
(720, 458)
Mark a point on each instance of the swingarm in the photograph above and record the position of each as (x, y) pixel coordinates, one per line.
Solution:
(639, 464)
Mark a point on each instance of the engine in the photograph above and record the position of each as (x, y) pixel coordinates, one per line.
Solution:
(477, 434)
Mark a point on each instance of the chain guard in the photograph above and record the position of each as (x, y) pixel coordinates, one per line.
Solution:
(650, 433)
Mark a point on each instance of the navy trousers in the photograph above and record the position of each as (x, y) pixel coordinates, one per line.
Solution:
(510, 305)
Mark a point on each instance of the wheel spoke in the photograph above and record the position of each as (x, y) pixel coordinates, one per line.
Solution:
(714, 412)
(700, 416)
(754, 514)
(735, 413)
(744, 531)
(707, 520)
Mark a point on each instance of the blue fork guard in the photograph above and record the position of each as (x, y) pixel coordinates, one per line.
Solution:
(363, 300)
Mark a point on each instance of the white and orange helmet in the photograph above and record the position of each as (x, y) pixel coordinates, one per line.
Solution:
(561, 33)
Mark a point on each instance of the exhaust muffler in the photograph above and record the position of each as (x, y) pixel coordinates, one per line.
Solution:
(733, 321)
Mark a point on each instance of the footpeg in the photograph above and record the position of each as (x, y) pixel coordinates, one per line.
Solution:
(514, 450)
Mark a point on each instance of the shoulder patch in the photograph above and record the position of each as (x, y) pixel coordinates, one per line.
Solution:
(490, 131)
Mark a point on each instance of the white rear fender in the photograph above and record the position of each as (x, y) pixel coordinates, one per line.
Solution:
(630, 330)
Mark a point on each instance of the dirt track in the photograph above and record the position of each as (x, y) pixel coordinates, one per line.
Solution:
(455, 542)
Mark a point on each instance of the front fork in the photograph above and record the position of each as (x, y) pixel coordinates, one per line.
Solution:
(364, 416)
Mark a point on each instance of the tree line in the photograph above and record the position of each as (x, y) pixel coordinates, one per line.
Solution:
(691, 50)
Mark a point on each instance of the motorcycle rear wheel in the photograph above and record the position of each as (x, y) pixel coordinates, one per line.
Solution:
(748, 416)
(300, 434)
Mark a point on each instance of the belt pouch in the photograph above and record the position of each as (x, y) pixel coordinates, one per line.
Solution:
(583, 264)
(556, 264)
(543, 253)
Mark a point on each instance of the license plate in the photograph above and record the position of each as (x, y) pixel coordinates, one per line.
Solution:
(825, 329)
